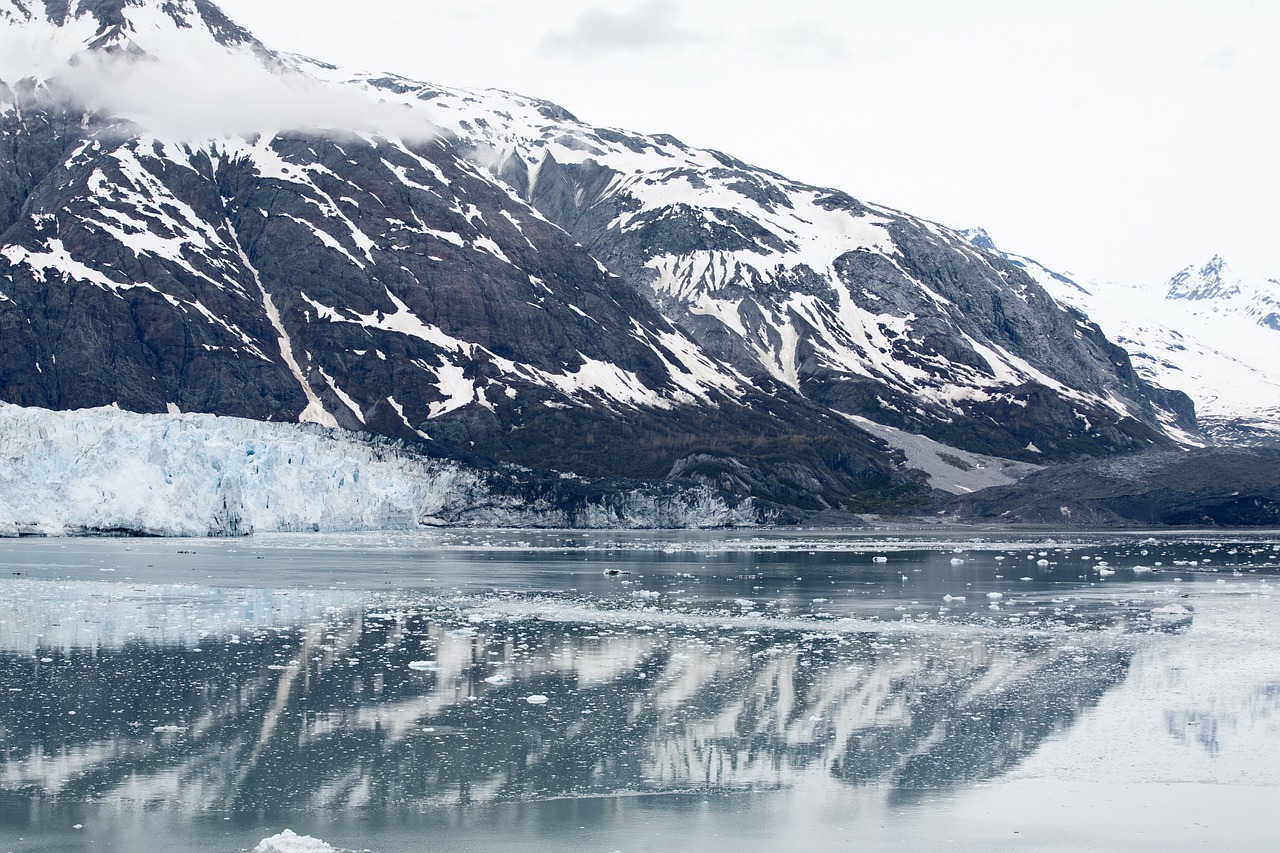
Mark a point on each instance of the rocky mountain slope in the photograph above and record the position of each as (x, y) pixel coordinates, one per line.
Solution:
(862, 309)
(484, 274)
(1210, 332)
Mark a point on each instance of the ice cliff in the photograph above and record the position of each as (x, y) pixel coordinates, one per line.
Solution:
(109, 471)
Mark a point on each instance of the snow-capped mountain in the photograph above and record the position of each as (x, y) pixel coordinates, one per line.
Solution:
(358, 279)
(1209, 332)
(1218, 290)
(865, 310)
(192, 222)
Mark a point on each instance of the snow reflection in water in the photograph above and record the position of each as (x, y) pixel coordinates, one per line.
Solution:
(512, 669)
(426, 700)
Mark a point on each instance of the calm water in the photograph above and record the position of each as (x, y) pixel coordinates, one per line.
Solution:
(637, 692)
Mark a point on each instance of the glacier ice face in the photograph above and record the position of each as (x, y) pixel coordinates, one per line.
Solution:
(105, 470)
(195, 475)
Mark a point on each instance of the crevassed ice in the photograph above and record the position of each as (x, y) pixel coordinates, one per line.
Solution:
(103, 470)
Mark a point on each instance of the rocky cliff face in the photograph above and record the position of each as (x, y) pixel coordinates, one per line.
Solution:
(514, 287)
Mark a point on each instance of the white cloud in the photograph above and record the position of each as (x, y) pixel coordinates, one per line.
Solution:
(197, 90)
(1225, 59)
(651, 26)
(805, 43)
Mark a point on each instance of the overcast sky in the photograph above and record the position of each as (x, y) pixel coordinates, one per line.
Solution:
(1116, 138)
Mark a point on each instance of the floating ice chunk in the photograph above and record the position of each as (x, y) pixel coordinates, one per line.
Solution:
(424, 665)
(879, 559)
(1171, 611)
(290, 842)
(1042, 563)
(1025, 579)
(500, 678)
(994, 596)
(1103, 571)
(169, 730)
(953, 598)
(537, 699)
(1142, 570)
(956, 561)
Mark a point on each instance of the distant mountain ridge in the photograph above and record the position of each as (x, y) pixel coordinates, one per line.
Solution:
(506, 284)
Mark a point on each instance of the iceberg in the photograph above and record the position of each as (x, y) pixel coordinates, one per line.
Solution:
(290, 842)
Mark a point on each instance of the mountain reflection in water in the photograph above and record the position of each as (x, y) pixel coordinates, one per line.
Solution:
(440, 701)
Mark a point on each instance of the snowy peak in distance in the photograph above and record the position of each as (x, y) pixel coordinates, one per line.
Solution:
(1214, 280)
(980, 238)
(1205, 333)
(1219, 288)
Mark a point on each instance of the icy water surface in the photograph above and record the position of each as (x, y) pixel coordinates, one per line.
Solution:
(643, 692)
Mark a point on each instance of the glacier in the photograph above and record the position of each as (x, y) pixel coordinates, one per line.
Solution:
(107, 471)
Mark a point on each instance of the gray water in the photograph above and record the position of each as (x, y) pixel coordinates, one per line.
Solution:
(634, 692)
